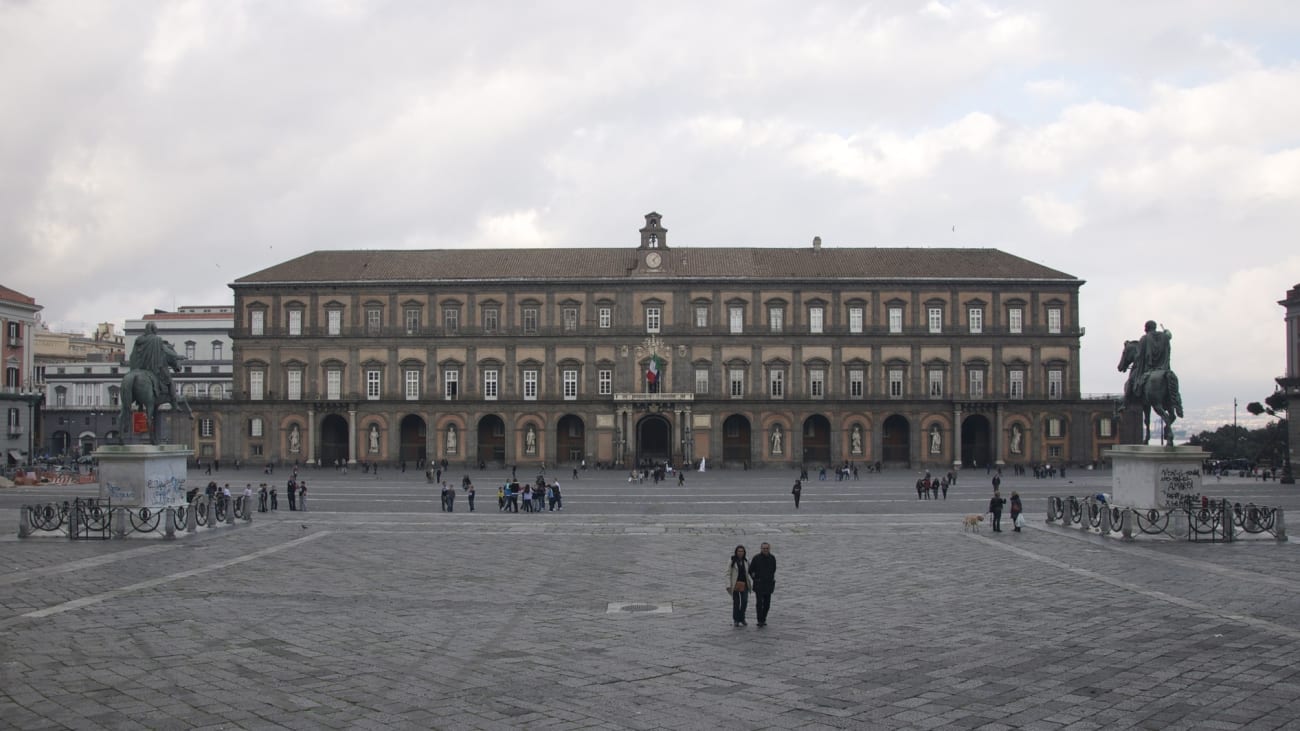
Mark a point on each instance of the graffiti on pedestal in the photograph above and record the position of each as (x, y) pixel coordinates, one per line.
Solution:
(1179, 486)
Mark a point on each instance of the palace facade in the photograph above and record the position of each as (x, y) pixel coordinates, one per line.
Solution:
(758, 357)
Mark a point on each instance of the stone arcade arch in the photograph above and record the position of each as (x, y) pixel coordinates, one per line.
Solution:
(334, 440)
(414, 439)
(570, 439)
(654, 439)
(896, 441)
(736, 440)
(976, 441)
(492, 440)
(816, 441)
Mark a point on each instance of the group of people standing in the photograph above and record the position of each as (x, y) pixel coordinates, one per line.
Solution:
(534, 497)
(998, 502)
(449, 496)
(745, 575)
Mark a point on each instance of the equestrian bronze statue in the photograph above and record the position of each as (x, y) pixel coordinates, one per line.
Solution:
(1151, 383)
(148, 382)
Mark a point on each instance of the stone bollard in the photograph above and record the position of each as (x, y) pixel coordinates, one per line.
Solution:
(1106, 527)
(248, 511)
(1051, 517)
(230, 512)
(119, 522)
(74, 519)
(1126, 524)
(24, 523)
(1229, 525)
(1279, 527)
(170, 532)
(191, 522)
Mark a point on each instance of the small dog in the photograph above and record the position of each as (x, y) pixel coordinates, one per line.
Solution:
(972, 523)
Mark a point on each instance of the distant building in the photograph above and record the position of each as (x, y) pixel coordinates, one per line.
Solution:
(20, 398)
(1290, 383)
(104, 346)
(83, 399)
(629, 355)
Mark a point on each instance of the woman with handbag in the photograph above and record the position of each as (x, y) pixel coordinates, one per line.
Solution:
(1016, 509)
(739, 585)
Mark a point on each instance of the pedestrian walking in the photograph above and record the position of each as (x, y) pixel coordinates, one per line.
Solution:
(997, 480)
(763, 571)
(443, 497)
(469, 495)
(995, 507)
(501, 497)
(797, 490)
(275, 501)
(248, 496)
(291, 489)
(559, 498)
(738, 585)
(1016, 509)
(302, 496)
(943, 484)
(451, 499)
(261, 498)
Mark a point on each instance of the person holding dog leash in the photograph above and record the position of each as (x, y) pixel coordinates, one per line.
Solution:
(995, 507)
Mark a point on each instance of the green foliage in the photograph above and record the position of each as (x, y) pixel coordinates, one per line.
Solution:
(1256, 445)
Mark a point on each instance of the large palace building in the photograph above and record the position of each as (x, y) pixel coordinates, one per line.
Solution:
(757, 357)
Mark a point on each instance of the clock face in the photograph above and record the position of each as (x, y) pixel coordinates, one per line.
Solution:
(653, 260)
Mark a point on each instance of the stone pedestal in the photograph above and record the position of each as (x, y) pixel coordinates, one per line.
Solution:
(1147, 477)
(143, 475)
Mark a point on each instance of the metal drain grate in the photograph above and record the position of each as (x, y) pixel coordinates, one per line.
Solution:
(639, 608)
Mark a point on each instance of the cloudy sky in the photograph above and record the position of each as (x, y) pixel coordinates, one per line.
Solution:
(151, 153)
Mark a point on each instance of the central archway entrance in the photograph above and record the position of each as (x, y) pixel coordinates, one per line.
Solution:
(976, 441)
(334, 440)
(816, 440)
(491, 440)
(570, 439)
(735, 441)
(896, 442)
(414, 436)
(654, 440)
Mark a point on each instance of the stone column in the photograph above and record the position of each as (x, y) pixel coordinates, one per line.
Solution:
(352, 436)
(998, 431)
(956, 436)
(311, 435)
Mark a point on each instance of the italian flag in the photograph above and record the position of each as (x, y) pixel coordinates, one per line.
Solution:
(652, 372)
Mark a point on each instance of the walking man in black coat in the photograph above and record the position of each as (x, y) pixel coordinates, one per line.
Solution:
(995, 507)
(762, 571)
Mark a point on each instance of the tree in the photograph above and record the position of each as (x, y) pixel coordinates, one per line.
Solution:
(1276, 405)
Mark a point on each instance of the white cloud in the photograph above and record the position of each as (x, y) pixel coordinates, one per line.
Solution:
(1053, 214)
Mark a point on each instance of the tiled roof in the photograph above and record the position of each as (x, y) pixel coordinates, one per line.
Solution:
(739, 263)
(10, 295)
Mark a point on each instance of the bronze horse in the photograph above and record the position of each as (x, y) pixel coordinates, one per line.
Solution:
(141, 387)
(1154, 390)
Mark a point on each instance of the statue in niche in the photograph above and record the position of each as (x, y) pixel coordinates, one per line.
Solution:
(374, 439)
(936, 440)
(855, 439)
(451, 439)
(530, 440)
(1017, 438)
(776, 439)
(295, 439)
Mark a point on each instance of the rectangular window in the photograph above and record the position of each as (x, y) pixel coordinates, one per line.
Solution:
(737, 379)
(294, 384)
(216, 350)
(855, 320)
(1104, 427)
(895, 319)
(569, 316)
(1055, 383)
(737, 315)
(372, 383)
(776, 319)
(895, 382)
(411, 386)
(936, 383)
(816, 319)
(530, 385)
(205, 427)
(255, 427)
(333, 322)
(605, 382)
(491, 320)
(1054, 451)
(605, 316)
(976, 317)
(817, 383)
(295, 322)
(14, 424)
(701, 316)
(776, 384)
(334, 384)
(570, 378)
(530, 320)
(450, 384)
(490, 384)
(935, 319)
(411, 317)
(189, 351)
(374, 320)
(1016, 320)
(653, 316)
(256, 384)
(856, 381)
(701, 380)
(1016, 385)
(256, 322)
(1054, 321)
(451, 320)
(977, 384)
(1053, 427)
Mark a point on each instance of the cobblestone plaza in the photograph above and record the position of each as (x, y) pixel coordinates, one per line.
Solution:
(376, 610)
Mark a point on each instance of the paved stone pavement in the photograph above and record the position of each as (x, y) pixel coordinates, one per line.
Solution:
(375, 610)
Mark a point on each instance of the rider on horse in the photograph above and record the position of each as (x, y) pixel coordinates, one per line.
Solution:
(1152, 358)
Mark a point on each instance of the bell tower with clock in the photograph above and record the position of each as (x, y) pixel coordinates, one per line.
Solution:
(654, 241)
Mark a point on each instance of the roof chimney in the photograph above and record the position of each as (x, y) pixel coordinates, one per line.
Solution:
(817, 243)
